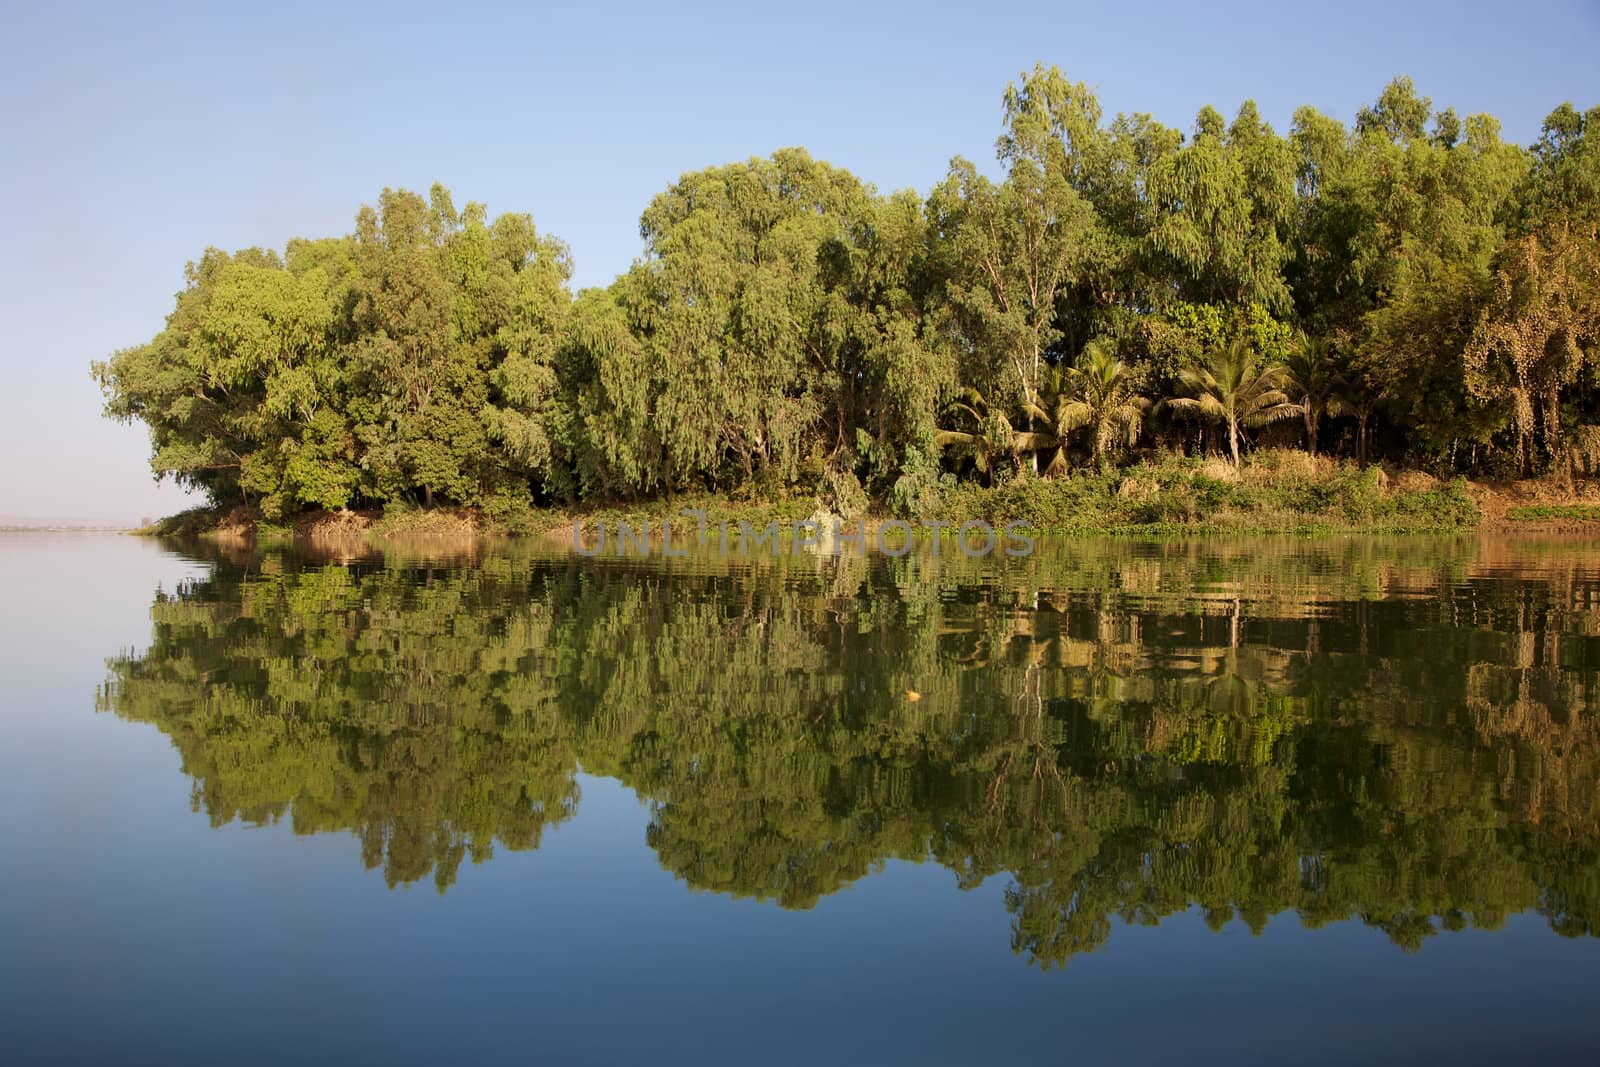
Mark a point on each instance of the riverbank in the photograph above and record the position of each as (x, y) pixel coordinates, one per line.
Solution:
(1279, 492)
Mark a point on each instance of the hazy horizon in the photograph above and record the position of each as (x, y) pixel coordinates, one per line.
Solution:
(139, 140)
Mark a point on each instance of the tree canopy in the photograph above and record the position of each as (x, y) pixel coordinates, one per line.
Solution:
(788, 327)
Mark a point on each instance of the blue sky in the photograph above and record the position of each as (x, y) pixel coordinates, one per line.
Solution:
(135, 138)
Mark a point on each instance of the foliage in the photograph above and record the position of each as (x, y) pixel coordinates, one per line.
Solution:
(1097, 393)
(1539, 331)
(991, 436)
(1274, 490)
(1235, 387)
(789, 329)
(1542, 512)
(408, 360)
(1314, 382)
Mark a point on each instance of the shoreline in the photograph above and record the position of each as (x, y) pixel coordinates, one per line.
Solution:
(56, 528)
(1283, 494)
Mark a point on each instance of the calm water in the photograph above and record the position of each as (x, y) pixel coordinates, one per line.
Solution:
(1224, 802)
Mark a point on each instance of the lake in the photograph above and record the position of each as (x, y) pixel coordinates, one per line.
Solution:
(1113, 802)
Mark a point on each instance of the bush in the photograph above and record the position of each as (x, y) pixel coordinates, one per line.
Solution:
(1273, 492)
(920, 489)
(1555, 512)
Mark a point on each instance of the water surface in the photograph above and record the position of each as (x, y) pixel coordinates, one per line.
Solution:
(1266, 801)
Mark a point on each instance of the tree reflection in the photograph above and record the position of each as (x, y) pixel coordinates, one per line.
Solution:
(1406, 735)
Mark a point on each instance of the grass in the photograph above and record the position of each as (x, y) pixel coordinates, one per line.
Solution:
(1273, 492)
(1555, 512)
(785, 509)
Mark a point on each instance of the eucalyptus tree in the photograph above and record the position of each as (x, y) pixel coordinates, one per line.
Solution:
(456, 326)
(408, 360)
(897, 361)
(514, 302)
(747, 340)
(1108, 165)
(1400, 249)
(606, 435)
(1015, 246)
(1223, 209)
(419, 398)
(1563, 180)
(239, 389)
(788, 327)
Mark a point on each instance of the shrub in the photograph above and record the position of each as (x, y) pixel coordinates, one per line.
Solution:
(1547, 512)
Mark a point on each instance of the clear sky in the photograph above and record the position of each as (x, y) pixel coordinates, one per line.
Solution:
(133, 138)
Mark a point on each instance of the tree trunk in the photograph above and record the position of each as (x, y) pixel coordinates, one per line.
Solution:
(1552, 424)
(1233, 440)
(427, 496)
(1311, 431)
(1361, 439)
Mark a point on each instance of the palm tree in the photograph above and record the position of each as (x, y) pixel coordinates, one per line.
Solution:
(991, 435)
(1097, 392)
(1313, 383)
(1230, 385)
(1356, 395)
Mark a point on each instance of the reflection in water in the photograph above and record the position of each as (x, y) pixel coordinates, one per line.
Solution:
(1399, 732)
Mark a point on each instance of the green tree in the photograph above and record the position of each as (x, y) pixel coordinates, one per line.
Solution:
(750, 338)
(608, 437)
(1234, 387)
(1358, 395)
(1312, 378)
(790, 331)
(1538, 332)
(991, 435)
(1100, 393)
(1014, 247)
(411, 359)
(1399, 226)
(1222, 210)
(1563, 180)
(242, 389)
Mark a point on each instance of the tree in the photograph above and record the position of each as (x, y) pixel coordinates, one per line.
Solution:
(1563, 181)
(242, 389)
(1222, 212)
(736, 303)
(789, 330)
(1312, 378)
(1098, 392)
(1538, 331)
(898, 360)
(991, 435)
(1357, 394)
(1399, 115)
(409, 359)
(515, 302)
(607, 435)
(1233, 387)
(1014, 247)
